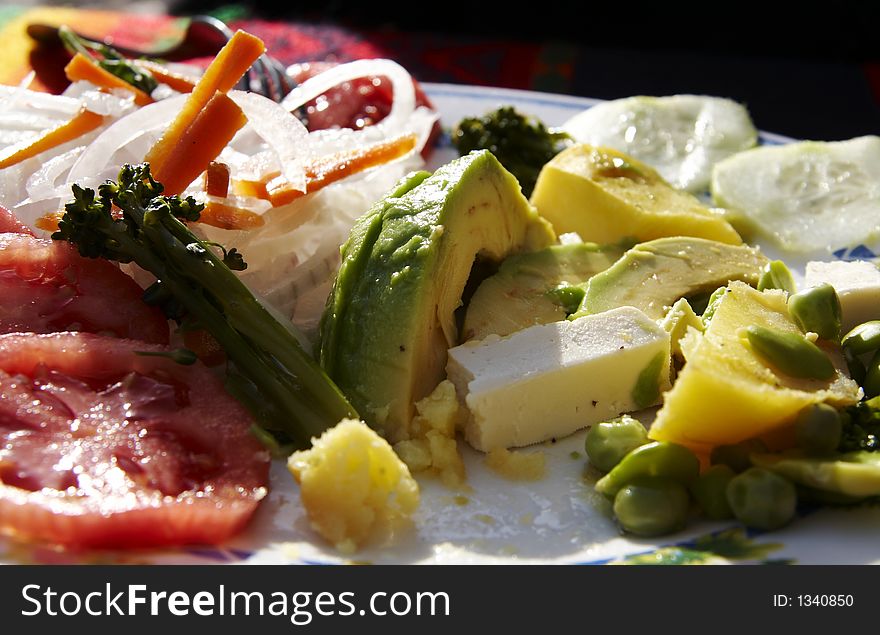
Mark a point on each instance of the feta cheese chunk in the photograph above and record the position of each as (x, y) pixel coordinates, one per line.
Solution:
(857, 284)
(550, 380)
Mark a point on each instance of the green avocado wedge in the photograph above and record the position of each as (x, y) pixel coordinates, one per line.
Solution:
(390, 318)
(653, 275)
(526, 289)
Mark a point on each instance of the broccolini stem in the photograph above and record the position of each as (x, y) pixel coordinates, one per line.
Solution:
(270, 372)
(262, 349)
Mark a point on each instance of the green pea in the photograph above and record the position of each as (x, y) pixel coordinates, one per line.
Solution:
(608, 442)
(710, 492)
(657, 459)
(818, 429)
(854, 365)
(776, 276)
(762, 499)
(736, 456)
(791, 353)
(817, 310)
(871, 384)
(863, 338)
(652, 507)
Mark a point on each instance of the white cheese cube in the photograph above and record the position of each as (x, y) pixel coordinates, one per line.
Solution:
(857, 284)
(550, 380)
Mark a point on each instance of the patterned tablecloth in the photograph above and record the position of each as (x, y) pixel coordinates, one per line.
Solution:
(816, 98)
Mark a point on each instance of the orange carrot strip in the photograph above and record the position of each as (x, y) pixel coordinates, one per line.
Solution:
(255, 189)
(217, 179)
(176, 81)
(233, 60)
(225, 216)
(200, 144)
(84, 121)
(84, 68)
(49, 222)
(338, 166)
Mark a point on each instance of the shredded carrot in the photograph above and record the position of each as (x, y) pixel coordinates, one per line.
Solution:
(233, 60)
(256, 189)
(176, 81)
(338, 166)
(81, 123)
(226, 216)
(82, 67)
(200, 144)
(217, 179)
(49, 222)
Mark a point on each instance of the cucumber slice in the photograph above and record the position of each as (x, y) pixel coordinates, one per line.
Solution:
(805, 197)
(681, 136)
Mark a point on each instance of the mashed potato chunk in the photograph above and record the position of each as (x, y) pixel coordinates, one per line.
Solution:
(353, 486)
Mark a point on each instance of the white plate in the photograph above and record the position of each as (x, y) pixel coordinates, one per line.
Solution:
(558, 519)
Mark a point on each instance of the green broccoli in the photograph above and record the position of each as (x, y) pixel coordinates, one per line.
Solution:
(109, 59)
(861, 427)
(522, 144)
(268, 370)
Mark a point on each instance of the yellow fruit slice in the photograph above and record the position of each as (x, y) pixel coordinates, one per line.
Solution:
(726, 393)
(606, 196)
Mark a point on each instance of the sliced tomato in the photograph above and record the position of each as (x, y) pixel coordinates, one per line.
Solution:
(356, 104)
(46, 286)
(9, 223)
(103, 447)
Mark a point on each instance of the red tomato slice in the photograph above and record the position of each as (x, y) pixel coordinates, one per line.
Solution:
(102, 447)
(46, 286)
(356, 104)
(9, 223)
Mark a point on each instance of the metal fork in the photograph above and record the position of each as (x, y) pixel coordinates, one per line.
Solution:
(267, 77)
(205, 35)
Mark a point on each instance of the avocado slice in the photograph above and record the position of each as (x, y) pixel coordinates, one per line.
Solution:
(653, 275)
(530, 288)
(852, 474)
(390, 318)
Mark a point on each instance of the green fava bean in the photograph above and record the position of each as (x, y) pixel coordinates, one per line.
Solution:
(652, 507)
(608, 442)
(791, 353)
(736, 455)
(777, 275)
(863, 338)
(762, 499)
(817, 310)
(710, 492)
(818, 428)
(854, 365)
(659, 459)
(871, 384)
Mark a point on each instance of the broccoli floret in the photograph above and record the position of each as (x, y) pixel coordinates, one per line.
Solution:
(861, 427)
(268, 370)
(522, 144)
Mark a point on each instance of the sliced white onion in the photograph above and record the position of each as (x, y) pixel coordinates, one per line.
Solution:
(403, 117)
(116, 104)
(15, 97)
(402, 105)
(42, 184)
(282, 131)
(100, 153)
(29, 121)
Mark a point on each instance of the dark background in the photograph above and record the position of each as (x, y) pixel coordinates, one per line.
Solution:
(807, 69)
